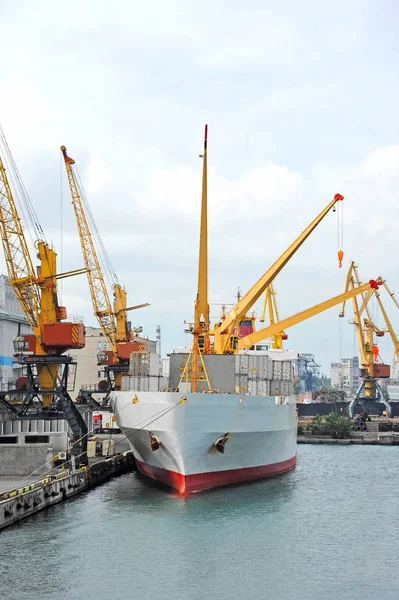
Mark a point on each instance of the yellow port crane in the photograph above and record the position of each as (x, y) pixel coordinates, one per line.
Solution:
(270, 303)
(248, 341)
(224, 337)
(44, 390)
(112, 320)
(371, 368)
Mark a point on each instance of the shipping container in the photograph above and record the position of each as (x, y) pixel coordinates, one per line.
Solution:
(144, 364)
(144, 384)
(259, 387)
(282, 369)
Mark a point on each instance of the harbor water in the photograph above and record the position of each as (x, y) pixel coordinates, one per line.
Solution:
(326, 530)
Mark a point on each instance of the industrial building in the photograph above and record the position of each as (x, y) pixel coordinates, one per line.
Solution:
(88, 372)
(12, 325)
(345, 374)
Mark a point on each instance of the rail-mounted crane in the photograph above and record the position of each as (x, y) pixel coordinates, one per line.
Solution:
(371, 367)
(44, 392)
(112, 319)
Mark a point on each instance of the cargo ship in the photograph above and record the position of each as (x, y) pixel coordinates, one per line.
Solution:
(197, 441)
(227, 413)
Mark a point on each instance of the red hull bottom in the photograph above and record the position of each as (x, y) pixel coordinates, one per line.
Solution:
(189, 484)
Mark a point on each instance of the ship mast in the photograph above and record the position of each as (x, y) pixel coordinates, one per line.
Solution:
(201, 306)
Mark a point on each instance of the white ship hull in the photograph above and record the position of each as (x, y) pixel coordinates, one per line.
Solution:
(194, 442)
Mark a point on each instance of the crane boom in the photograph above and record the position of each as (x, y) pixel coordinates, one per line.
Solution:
(112, 318)
(357, 321)
(352, 279)
(249, 299)
(201, 305)
(249, 340)
(392, 294)
(99, 295)
(388, 323)
(19, 264)
(222, 332)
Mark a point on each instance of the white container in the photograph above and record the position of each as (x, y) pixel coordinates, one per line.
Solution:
(259, 387)
(108, 447)
(143, 384)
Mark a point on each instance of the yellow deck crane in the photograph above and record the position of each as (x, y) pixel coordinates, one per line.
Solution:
(44, 391)
(224, 336)
(269, 303)
(113, 320)
(371, 370)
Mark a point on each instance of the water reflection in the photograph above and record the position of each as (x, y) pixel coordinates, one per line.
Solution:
(142, 495)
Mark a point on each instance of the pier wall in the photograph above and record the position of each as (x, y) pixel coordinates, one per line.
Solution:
(324, 408)
(24, 459)
(23, 502)
(30, 499)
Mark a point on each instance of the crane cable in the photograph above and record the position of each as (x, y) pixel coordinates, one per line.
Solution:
(20, 191)
(340, 232)
(61, 226)
(102, 251)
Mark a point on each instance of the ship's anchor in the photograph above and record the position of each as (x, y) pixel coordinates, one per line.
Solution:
(221, 442)
(154, 442)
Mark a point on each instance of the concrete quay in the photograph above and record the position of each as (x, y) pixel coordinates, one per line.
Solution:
(370, 439)
(22, 497)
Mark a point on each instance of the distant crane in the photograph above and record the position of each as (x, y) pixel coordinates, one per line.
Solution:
(371, 368)
(113, 320)
(44, 392)
(307, 370)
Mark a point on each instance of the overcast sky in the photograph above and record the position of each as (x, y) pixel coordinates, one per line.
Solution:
(301, 99)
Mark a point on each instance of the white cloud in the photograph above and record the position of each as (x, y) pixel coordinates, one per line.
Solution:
(98, 174)
(300, 106)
